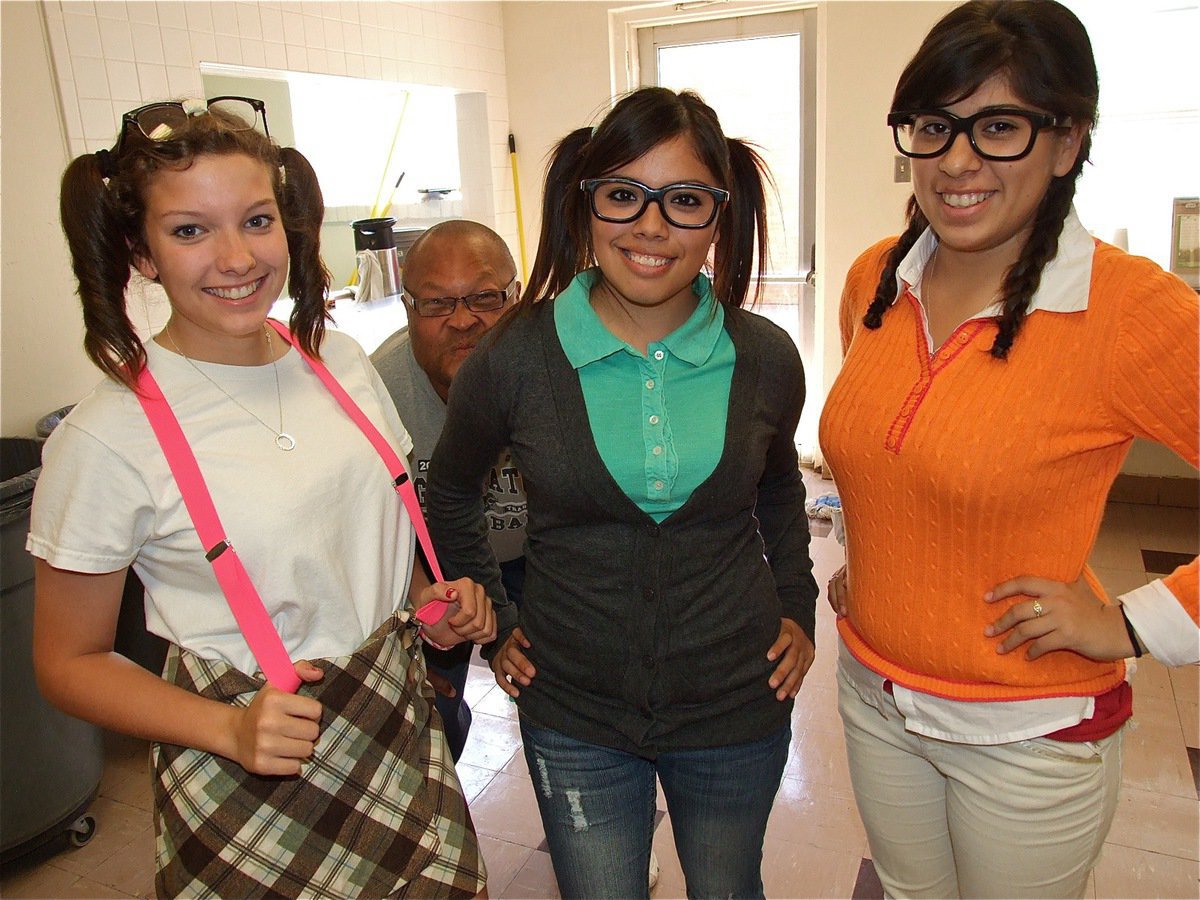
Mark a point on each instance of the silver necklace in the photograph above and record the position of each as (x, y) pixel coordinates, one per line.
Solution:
(283, 440)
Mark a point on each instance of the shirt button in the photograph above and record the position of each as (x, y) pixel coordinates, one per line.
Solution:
(654, 420)
(658, 485)
(648, 594)
(658, 354)
(650, 384)
(648, 662)
(657, 451)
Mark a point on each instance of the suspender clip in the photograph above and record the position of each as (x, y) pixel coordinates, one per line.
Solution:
(217, 549)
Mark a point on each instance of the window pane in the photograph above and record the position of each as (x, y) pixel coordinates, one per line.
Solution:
(769, 119)
(352, 159)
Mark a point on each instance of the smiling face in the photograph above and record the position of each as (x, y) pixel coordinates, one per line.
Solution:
(215, 242)
(987, 206)
(649, 263)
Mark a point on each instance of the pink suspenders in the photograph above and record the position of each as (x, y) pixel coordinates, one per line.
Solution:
(244, 600)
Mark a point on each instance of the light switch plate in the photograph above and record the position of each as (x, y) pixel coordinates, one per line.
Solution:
(902, 170)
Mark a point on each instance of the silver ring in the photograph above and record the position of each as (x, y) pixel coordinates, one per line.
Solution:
(1037, 609)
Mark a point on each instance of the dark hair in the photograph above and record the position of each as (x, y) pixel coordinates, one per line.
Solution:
(638, 123)
(1044, 52)
(105, 229)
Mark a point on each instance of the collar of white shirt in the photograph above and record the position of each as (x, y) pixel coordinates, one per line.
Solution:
(1066, 279)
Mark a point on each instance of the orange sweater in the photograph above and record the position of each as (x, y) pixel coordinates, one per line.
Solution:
(959, 471)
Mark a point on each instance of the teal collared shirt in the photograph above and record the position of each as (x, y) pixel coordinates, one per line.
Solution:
(658, 420)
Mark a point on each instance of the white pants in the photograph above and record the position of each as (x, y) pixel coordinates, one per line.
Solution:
(1024, 819)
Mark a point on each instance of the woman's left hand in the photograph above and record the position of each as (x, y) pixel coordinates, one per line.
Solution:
(470, 618)
(795, 653)
(1058, 616)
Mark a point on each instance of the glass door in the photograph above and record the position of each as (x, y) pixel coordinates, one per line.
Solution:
(758, 73)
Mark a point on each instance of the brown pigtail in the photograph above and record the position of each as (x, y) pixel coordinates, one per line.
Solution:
(101, 258)
(743, 228)
(564, 245)
(303, 210)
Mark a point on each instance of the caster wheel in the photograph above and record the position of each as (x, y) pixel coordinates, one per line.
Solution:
(82, 830)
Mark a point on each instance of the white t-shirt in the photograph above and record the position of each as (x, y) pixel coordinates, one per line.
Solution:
(320, 530)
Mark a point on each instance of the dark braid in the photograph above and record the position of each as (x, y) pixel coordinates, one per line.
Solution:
(885, 292)
(1023, 277)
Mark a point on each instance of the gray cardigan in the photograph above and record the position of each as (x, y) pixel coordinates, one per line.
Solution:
(646, 637)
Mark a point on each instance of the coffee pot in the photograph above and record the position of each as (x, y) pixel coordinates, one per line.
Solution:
(377, 257)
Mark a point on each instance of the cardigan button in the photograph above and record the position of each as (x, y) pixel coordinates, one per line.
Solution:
(648, 594)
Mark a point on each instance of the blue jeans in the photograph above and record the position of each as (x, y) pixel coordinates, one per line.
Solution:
(597, 807)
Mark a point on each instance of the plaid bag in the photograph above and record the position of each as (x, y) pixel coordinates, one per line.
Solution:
(377, 811)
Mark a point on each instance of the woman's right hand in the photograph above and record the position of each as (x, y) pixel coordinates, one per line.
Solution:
(839, 592)
(511, 666)
(276, 733)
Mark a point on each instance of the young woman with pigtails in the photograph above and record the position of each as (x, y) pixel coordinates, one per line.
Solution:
(251, 474)
(667, 620)
(999, 362)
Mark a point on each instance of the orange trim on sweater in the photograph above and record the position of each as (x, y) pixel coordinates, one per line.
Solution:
(1001, 468)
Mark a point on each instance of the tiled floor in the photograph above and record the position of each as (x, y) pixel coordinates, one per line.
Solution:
(815, 845)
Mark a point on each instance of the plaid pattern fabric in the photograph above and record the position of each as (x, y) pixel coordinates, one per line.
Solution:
(377, 811)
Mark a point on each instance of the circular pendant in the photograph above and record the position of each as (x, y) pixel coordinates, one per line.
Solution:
(285, 441)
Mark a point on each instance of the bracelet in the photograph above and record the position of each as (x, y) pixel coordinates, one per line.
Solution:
(1137, 647)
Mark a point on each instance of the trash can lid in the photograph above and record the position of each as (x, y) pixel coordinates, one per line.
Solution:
(49, 422)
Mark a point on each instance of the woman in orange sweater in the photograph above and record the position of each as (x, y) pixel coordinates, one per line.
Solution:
(998, 364)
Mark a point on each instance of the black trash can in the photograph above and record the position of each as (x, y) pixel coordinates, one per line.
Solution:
(50, 763)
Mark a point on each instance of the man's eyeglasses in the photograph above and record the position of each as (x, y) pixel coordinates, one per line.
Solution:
(1003, 133)
(683, 204)
(440, 307)
(160, 121)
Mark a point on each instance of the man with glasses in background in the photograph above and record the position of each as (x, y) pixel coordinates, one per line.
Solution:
(459, 278)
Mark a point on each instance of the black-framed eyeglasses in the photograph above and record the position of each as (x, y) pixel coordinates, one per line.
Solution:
(160, 121)
(440, 307)
(684, 204)
(1004, 133)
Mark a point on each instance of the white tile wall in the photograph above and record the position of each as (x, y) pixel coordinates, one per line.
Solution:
(111, 55)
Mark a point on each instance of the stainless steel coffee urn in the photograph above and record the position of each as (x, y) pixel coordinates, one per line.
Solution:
(378, 260)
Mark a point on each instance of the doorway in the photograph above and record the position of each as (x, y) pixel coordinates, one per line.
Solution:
(758, 73)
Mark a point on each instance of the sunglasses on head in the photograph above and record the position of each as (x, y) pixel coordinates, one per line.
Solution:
(160, 121)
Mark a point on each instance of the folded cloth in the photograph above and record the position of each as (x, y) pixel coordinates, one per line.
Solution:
(822, 507)
(370, 276)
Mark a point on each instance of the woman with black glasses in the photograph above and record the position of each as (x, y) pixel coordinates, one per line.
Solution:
(248, 472)
(999, 362)
(667, 620)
